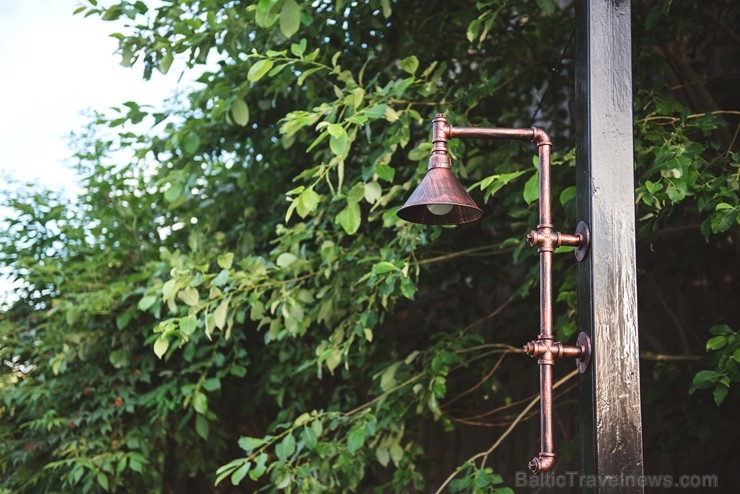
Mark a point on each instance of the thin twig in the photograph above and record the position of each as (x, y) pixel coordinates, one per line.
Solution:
(659, 357)
(506, 420)
(670, 120)
(385, 394)
(480, 383)
(467, 252)
(491, 315)
(732, 143)
(503, 436)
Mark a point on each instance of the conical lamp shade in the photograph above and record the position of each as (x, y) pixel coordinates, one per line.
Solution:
(440, 199)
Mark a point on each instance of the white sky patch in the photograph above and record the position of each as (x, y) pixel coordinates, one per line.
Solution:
(53, 67)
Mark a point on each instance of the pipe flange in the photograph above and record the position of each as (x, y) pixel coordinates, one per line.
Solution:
(585, 234)
(584, 342)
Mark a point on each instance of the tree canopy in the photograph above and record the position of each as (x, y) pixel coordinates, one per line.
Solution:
(232, 305)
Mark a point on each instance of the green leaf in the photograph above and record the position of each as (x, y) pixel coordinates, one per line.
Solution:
(410, 64)
(164, 64)
(723, 219)
(189, 295)
(396, 452)
(298, 49)
(350, 218)
(720, 393)
(567, 195)
(265, 17)
(240, 110)
(309, 437)
(102, 479)
(174, 192)
(532, 189)
(704, 378)
(122, 320)
(146, 302)
(386, 5)
(219, 315)
(358, 96)
(240, 473)
(191, 143)
(161, 345)
(201, 426)
(302, 419)
(548, 6)
(188, 325)
(225, 260)
(372, 192)
(308, 201)
(221, 278)
(356, 438)
(212, 384)
(226, 470)
(384, 267)
(382, 454)
(376, 111)
(249, 444)
(119, 359)
(200, 403)
(385, 172)
(473, 30)
(290, 18)
(259, 467)
(333, 359)
(677, 190)
(282, 477)
(356, 193)
(259, 69)
(716, 343)
(285, 259)
(286, 448)
(238, 371)
(210, 325)
(338, 139)
(388, 377)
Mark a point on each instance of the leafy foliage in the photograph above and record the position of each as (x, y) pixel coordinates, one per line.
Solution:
(232, 299)
(725, 345)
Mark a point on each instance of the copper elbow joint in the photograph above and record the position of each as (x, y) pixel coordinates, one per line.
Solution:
(542, 463)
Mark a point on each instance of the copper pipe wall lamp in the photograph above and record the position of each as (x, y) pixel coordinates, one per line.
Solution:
(441, 199)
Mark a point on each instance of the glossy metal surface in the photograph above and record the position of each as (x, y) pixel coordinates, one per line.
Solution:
(440, 188)
(611, 431)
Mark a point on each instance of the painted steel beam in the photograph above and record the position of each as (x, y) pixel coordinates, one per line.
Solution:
(611, 427)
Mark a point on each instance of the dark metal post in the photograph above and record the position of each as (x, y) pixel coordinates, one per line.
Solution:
(611, 429)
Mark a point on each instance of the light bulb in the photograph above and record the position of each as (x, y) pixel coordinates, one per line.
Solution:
(439, 209)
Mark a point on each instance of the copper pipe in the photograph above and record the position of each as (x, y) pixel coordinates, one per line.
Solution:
(546, 239)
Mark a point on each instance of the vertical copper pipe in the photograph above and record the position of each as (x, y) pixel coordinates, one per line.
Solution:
(544, 146)
(546, 406)
(546, 459)
(546, 239)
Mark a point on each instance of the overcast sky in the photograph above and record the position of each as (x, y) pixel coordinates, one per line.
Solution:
(54, 66)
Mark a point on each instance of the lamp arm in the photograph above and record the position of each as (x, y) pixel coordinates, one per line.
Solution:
(546, 239)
